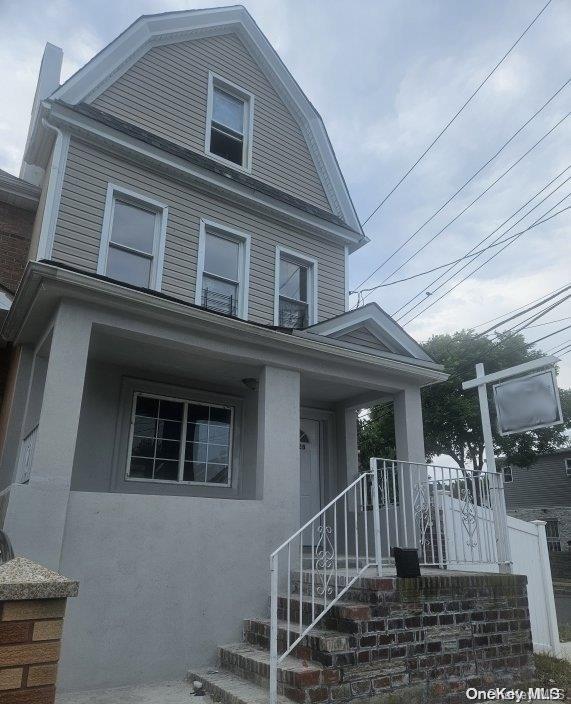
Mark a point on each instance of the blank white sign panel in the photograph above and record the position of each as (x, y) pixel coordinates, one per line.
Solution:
(528, 403)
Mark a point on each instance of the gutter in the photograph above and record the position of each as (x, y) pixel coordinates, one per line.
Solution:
(38, 274)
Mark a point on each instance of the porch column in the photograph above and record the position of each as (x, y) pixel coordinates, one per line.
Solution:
(37, 511)
(347, 447)
(409, 439)
(278, 445)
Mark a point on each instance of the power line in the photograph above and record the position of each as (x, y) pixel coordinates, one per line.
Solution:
(525, 305)
(550, 322)
(551, 334)
(484, 239)
(517, 315)
(443, 266)
(484, 264)
(473, 202)
(523, 325)
(459, 190)
(457, 114)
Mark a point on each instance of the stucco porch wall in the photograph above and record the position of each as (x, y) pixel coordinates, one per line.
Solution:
(165, 579)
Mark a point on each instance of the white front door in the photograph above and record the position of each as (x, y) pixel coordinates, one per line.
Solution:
(309, 442)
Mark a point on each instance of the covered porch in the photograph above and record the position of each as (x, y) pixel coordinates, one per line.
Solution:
(90, 350)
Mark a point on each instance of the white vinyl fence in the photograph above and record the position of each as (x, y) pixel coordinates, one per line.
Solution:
(528, 547)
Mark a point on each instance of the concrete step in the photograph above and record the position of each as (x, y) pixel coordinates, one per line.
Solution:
(297, 678)
(227, 688)
(257, 632)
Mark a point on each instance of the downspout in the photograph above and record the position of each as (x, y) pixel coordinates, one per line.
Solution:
(55, 179)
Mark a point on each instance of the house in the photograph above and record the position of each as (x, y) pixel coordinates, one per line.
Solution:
(182, 323)
(18, 204)
(542, 491)
(187, 371)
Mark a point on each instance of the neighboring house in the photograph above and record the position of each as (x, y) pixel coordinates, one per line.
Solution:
(542, 491)
(188, 372)
(18, 204)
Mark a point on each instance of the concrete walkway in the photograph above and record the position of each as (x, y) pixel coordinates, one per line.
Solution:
(162, 693)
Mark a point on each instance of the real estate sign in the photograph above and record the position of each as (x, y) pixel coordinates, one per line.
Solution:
(528, 402)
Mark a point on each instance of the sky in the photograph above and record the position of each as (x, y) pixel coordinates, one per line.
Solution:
(386, 76)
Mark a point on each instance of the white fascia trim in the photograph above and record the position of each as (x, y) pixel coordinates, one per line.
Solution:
(53, 195)
(346, 272)
(311, 263)
(86, 127)
(244, 239)
(159, 236)
(149, 31)
(378, 323)
(215, 81)
(5, 300)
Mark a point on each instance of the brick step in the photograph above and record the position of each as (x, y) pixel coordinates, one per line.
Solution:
(342, 616)
(228, 688)
(257, 632)
(298, 679)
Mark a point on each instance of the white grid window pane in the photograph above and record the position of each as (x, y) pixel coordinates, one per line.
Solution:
(133, 227)
(128, 267)
(228, 111)
(293, 280)
(221, 257)
(158, 453)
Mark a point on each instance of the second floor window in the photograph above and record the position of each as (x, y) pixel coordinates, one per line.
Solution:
(568, 466)
(222, 281)
(296, 289)
(229, 123)
(132, 241)
(508, 476)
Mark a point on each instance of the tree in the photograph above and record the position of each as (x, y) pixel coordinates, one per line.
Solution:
(452, 423)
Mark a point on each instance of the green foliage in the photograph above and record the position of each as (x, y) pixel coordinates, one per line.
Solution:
(452, 417)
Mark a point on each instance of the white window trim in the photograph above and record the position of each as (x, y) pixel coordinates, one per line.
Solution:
(511, 474)
(568, 466)
(311, 263)
(244, 240)
(186, 401)
(135, 197)
(215, 80)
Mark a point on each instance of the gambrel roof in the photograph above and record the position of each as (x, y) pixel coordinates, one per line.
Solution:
(155, 30)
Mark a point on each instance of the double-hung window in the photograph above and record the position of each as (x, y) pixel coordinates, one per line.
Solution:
(568, 466)
(296, 290)
(508, 474)
(223, 262)
(184, 441)
(229, 122)
(552, 535)
(132, 241)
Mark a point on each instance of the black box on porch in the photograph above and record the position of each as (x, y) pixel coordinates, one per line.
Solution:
(406, 562)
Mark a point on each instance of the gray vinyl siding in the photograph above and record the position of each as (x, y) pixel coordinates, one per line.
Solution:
(80, 218)
(165, 92)
(542, 484)
(364, 338)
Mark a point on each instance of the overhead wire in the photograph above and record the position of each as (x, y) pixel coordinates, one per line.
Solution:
(458, 112)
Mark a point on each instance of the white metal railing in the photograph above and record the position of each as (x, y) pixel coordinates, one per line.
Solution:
(454, 517)
(318, 564)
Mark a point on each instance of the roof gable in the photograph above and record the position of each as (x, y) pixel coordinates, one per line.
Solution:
(156, 30)
(363, 326)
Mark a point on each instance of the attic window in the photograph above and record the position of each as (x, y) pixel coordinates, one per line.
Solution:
(229, 123)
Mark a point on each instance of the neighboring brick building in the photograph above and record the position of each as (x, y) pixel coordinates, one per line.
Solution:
(18, 204)
(543, 492)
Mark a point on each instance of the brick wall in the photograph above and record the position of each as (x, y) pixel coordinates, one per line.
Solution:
(30, 633)
(561, 514)
(15, 232)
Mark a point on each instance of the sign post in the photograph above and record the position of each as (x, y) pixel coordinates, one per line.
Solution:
(547, 412)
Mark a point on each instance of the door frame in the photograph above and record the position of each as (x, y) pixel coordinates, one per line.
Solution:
(327, 453)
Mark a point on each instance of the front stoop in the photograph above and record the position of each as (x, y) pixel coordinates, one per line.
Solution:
(418, 640)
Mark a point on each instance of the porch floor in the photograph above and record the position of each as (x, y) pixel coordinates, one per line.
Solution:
(162, 692)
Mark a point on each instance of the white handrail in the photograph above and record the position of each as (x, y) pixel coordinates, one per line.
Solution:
(452, 516)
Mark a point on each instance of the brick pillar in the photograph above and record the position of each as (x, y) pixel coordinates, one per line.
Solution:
(32, 609)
